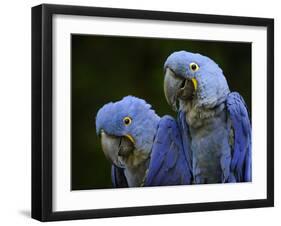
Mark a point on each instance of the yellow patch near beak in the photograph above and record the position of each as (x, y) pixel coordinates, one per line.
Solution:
(195, 84)
(130, 138)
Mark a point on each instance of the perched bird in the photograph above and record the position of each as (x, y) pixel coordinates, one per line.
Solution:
(213, 120)
(145, 150)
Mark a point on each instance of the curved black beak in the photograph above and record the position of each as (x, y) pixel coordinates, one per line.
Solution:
(176, 88)
(116, 149)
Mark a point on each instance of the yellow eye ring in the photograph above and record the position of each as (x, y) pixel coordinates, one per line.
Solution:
(193, 67)
(127, 121)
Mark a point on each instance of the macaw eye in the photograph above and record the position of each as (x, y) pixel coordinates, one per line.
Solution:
(127, 121)
(194, 67)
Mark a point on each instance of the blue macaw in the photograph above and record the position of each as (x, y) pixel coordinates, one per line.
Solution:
(213, 121)
(145, 150)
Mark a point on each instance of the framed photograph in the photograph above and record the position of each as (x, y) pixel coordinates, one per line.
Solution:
(147, 112)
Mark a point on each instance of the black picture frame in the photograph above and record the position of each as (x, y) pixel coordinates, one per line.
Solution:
(42, 111)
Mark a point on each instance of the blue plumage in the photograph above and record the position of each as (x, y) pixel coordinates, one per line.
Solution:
(168, 165)
(241, 163)
(214, 122)
(118, 177)
(157, 157)
(110, 118)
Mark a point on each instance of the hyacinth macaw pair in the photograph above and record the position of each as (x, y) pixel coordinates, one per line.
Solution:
(210, 142)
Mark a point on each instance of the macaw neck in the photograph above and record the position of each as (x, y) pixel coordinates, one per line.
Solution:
(136, 159)
(198, 116)
(136, 168)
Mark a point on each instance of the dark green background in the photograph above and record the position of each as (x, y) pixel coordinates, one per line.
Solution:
(106, 68)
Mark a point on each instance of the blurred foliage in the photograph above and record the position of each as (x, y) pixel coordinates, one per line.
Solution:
(107, 68)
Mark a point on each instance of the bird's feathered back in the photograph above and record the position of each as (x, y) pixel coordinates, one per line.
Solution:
(168, 164)
(241, 163)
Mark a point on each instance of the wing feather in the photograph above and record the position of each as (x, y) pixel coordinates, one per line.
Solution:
(241, 164)
(185, 136)
(118, 177)
(168, 165)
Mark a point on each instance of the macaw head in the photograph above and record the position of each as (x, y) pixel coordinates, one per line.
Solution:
(191, 77)
(126, 126)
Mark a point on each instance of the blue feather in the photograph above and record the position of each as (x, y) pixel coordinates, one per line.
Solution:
(118, 178)
(185, 136)
(168, 165)
(241, 163)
